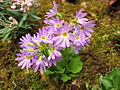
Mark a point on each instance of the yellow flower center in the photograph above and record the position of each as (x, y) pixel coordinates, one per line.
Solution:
(77, 38)
(64, 34)
(74, 32)
(43, 37)
(40, 58)
(57, 25)
(30, 44)
(27, 58)
(76, 18)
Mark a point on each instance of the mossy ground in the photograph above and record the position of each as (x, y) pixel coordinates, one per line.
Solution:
(101, 56)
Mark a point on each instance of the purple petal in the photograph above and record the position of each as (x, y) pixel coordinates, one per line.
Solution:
(83, 14)
(63, 44)
(21, 63)
(67, 42)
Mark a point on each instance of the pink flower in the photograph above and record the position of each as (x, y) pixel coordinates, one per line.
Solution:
(24, 4)
(13, 7)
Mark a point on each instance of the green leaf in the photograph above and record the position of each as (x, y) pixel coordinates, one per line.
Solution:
(55, 79)
(7, 35)
(4, 30)
(97, 88)
(24, 17)
(48, 72)
(12, 10)
(61, 64)
(2, 16)
(7, 29)
(87, 85)
(36, 17)
(65, 78)
(22, 20)
(73, 75)
(111, 81)
(59, 70)
(75, 64)
(116, 81)
(66, 52)
(113, 73)
(107, 83)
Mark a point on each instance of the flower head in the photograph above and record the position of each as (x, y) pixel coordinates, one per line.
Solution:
(53, 61)
(43, 48)
(25, 59)
(24, 4)
(41, 64)
(80, 17)
(44, 36)
(87, 28)
(54, 23)
(77, 48)
(63, 38)
(26, 41)
(78, 39)
(54, 53)
(53, 11)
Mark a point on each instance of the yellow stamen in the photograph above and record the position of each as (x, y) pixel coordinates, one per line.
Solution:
(40, 58)
(27, 58)
(77, 38)
(77, 19)
(30, 44)
(43, 37)
(57, 25)
(74, 32)
(64, 34)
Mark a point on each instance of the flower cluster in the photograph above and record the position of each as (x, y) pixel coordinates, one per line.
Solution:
(24, 4)
(43, 48)
(13, 21)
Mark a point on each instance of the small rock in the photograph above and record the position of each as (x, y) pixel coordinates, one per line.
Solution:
(74, 82)
(1, 0)
(84, 4)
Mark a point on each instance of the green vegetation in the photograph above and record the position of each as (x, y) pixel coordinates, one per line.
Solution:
(14, 23)
(110, 82)
(67, 68)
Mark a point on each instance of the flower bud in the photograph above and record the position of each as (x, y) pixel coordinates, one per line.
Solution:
(40, 58)
(49, 52)
(31, 50)
(29, 4)
(10, 18)
(13, 6)
(31, 1)
(10, 25)
(21, 9)
(28, 9)
(15, 21)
